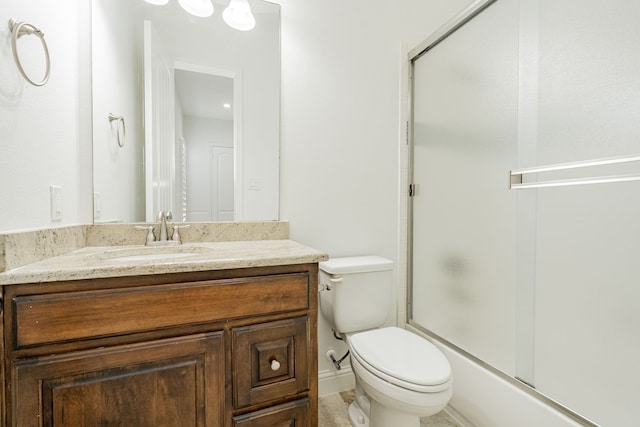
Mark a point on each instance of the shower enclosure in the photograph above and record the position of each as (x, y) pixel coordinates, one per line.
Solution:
(525, 220)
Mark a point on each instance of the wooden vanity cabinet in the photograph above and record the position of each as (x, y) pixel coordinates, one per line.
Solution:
(172, 382)
(218, 348)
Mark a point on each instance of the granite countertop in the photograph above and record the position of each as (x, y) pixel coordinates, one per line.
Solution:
(114, 261)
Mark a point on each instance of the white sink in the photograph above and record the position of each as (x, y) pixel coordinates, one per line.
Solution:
(153, 253)
(152, 257)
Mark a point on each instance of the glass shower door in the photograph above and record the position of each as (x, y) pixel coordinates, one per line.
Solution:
(537, 273)
(464, 222)
(587, 265)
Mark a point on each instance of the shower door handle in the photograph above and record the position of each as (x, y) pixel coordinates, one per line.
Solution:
(516, 176)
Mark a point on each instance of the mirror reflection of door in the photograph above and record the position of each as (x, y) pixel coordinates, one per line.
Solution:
(159, 128)
(205, 122)
(221, 183)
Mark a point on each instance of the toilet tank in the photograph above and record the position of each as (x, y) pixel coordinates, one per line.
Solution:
(355, 292)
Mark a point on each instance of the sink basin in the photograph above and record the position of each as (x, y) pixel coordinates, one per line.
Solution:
(151, 257)
(158, 253)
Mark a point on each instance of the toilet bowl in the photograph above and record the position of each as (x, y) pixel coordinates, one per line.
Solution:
(400, 376)
(404, 375)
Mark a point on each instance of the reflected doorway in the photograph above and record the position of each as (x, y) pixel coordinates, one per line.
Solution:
(205, 122)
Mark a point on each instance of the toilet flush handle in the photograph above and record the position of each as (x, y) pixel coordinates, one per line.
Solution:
(328, 286)
(334, 281)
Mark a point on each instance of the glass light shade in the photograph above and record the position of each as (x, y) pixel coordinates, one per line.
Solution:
(238, 15)
(157, 2)
(200, 8)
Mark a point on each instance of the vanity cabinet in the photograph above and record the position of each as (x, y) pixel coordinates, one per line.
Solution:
(216, 348)
(174, 382)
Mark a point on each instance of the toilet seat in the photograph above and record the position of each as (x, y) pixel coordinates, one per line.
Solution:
(402, 358)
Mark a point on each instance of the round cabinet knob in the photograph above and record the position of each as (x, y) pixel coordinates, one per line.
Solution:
(275, 365)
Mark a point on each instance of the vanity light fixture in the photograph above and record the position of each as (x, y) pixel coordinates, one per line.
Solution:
(238, 15)
(200, 8)
(226, 105)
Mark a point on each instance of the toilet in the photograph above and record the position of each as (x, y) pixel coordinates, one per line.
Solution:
(400, 376)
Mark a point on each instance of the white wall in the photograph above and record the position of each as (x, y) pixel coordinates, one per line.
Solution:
(44, 131)
(341, 124)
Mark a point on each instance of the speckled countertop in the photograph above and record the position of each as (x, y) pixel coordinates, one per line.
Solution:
(98, 251)
(109, 261)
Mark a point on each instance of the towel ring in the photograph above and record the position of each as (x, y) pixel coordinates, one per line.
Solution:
(19, 29)
(120, 125)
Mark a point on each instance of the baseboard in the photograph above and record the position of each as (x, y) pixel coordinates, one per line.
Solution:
(332, 381)
(457, 416)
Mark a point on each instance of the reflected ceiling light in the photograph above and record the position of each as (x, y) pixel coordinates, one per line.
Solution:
(238, 15)
(226, 105)
(157, 2)
(200, 8)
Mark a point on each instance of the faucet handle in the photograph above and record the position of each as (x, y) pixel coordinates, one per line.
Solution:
(176, 233)
(149, 228)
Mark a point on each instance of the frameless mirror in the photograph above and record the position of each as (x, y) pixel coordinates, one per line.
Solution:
(185, 113)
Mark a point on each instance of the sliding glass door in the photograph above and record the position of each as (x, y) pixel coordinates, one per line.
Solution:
(525, 222)
(464, 225)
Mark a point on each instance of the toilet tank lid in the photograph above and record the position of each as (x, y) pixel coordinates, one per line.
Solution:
(356, 264)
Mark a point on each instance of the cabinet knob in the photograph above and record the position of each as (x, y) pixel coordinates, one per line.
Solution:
(275, 365)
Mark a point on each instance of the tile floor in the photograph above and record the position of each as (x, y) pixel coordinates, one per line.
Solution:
(333, 413)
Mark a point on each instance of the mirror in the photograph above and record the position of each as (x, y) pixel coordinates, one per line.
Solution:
(161, 138)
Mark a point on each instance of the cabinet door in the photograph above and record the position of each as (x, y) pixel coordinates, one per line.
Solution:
(270, 361)
(166, 383)
(293, 414)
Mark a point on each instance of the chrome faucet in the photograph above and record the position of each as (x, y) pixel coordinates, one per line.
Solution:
(163, 232)
(163, 217)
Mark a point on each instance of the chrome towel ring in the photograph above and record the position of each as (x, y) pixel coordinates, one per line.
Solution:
(19, 29)
(120, 128)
